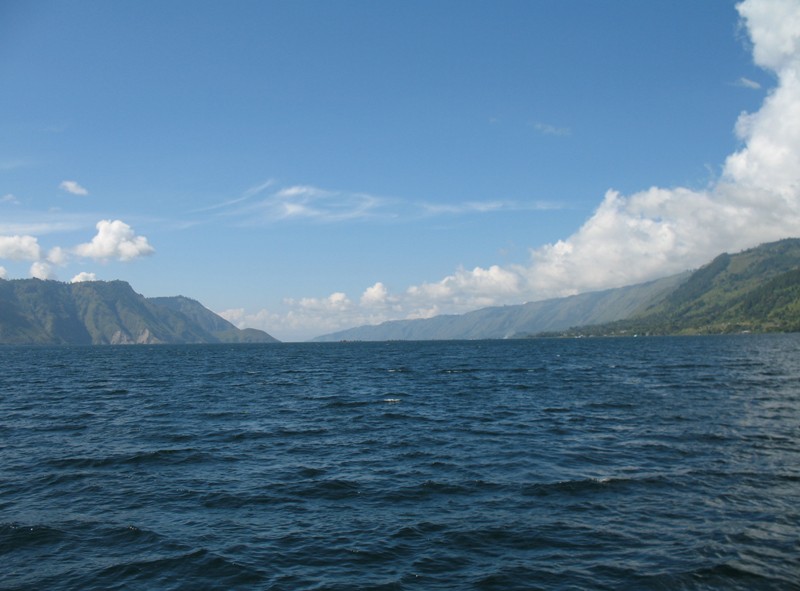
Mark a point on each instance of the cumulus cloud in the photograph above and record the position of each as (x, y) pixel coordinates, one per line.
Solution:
(72, 187)
(3, 273)
(464, 290)
(57, 256)
(42, 270)
(115, 240)
(20, 248)
(301, 322)
(336, 302)
(83, 276)
(375, 296)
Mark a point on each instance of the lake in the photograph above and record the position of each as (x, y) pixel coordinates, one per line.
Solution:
(632, 463)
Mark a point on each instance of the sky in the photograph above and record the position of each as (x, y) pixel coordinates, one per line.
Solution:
(308, 166)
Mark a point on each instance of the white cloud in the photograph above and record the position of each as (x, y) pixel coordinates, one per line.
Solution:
(299, 323)
(9, 198)
(466, 289)
(747, 83)
(83, 276)
(72, 187)
(375, 297)
(3, 273)
(7, 165)
(547, 129)
(266, 203)
(42, 270)
(45, 223)
(478, 207)
(307, 202)
(115, 240)
(773, 26)
(57, 256)
(336, 302)
(20, 248)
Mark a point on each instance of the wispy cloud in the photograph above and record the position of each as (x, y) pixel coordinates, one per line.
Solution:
(321, 205)
(268, 203)
(39, 224)
(747, 83)
(230, 203)
(9, 165)
(9, 198)
(478, 207)
(547, 129)
(73, 188)
(260, 188)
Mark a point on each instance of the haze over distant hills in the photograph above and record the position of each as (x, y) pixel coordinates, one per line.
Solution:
(757, 289)
(39, 312)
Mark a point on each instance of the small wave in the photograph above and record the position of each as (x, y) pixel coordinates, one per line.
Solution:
(432, 488)
(287, 432)
(347, 403)
(720, 576)
(160, 456)
(585, 485)
(228, 501)
(15, 536)
(182, 571)
(333, 489)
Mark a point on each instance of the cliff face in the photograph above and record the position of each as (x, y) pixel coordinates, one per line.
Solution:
(107, 313)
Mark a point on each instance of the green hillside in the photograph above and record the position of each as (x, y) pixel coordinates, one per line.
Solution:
(107, 312)
(757, 290)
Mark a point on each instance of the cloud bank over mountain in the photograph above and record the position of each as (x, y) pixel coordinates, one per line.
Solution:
(756, 199)
(629, 238)
(115, 240)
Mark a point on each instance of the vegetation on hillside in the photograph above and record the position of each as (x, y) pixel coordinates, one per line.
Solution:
(757, 290)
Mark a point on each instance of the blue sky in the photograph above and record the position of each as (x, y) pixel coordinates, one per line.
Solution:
(305, 166)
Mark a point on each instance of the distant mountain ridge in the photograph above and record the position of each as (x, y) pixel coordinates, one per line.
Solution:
(502, 322)
(757, 289)
(39, 312)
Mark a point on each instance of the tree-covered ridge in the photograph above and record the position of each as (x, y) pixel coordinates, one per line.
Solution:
(99, 313)
(756, 290)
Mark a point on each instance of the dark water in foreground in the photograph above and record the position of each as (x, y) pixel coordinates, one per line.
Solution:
(669, 463)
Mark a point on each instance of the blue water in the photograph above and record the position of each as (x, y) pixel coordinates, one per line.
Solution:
(657, 463)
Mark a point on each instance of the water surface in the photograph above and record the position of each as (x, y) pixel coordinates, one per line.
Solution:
(657, 463)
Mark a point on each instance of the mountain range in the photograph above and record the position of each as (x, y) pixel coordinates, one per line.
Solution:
(754, 290)
(39, 312)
